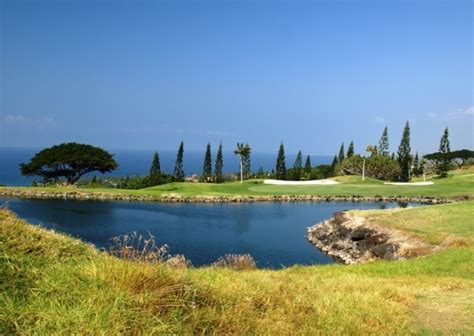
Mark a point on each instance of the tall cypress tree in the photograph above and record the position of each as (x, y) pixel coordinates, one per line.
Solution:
(178, 166)
(307, 167)
(333, 165)
(350, 150)
(403, 155)
(416, 165)
(383, 143)
(298, 166)
(444, 150)
(219, 178)
(207, 165)
(341, 153)
(280, 170)
(155, 170)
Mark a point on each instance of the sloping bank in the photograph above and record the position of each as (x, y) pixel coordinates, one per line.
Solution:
(359, 236)
(351, 239)
(55, 285)
(173, 198)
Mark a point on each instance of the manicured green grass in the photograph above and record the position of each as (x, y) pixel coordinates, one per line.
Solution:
(53, 284)
(432, 224)
(461, 183)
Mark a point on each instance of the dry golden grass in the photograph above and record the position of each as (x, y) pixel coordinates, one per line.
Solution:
(445, 313)
(238, 262)
(52, 284)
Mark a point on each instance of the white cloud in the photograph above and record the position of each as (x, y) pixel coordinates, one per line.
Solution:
(14, 118)
(432, 115)
(19, 119)
(217, 133)
(379, 120)
(461, 113)
(469, 111)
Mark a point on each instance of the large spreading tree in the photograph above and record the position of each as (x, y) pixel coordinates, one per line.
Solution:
(404, 155)
(459, 157)
(69, 160)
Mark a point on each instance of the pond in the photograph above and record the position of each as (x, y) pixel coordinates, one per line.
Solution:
(273, 233)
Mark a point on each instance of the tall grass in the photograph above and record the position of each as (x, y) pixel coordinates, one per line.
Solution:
(134, 246)
(53, 284)
(237, 262)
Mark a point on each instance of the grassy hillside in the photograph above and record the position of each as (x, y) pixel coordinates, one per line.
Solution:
(53, 284)
(460, 183)
(435, 225)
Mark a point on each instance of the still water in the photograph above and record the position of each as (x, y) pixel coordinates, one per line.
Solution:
(273, 233)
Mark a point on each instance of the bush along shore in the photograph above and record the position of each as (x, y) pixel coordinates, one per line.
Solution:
(105, 196)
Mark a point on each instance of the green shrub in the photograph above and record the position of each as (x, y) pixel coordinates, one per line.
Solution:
(376, 166)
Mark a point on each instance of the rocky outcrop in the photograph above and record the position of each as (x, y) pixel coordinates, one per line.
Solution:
(351, 239)
(77, 194)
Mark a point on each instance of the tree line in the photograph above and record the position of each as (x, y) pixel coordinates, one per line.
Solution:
(380, 163)
(72, 161)
(401, 165)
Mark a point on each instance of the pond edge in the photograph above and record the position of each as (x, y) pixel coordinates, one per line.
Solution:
(351, 239)
(101, 196)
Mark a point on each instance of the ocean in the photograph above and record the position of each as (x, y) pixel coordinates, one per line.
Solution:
(137, 162)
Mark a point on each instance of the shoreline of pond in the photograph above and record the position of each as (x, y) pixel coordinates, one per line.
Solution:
(351, 239)
(105, 196)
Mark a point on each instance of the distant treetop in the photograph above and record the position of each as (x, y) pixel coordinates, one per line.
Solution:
(69, 160)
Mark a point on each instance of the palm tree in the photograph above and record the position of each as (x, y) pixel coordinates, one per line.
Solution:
(373, 151)
(243, 151)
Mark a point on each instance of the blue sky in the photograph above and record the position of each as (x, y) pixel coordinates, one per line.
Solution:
(148, 74)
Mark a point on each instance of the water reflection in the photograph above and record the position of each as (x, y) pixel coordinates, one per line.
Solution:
(402, 204)
(242, 221)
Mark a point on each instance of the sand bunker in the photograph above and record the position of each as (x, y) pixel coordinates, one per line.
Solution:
(311, 182)
(410, 183)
